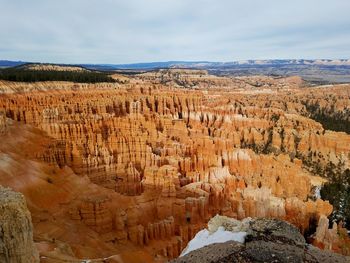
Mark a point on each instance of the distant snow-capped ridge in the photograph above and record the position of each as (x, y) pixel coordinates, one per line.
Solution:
(298, 61)
(325, 62)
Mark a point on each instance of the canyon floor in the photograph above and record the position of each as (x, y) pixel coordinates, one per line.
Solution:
(131, 171)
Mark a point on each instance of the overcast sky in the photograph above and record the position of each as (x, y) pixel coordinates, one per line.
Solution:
(116, 31)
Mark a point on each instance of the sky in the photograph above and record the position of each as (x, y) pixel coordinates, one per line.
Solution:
(130, 31)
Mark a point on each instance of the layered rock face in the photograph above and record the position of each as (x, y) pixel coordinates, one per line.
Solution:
(16, 239)
(142, 166)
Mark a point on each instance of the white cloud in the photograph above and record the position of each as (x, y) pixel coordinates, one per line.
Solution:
(116, 31)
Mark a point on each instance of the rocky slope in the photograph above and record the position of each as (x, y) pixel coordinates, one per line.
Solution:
(141, 167)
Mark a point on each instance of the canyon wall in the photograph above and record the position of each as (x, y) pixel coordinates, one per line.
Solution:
(143, 166)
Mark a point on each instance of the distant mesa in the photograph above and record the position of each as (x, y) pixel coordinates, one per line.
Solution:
(52, 67)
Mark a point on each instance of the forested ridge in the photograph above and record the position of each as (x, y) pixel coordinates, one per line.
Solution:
(25, 75)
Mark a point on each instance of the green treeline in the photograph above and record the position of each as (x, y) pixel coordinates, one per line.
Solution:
(23, 75)
(337, 192)
(330, 120)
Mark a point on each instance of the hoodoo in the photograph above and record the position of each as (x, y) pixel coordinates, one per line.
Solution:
(141, 166)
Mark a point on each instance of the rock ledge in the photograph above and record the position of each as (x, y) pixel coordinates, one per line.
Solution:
(268, 240)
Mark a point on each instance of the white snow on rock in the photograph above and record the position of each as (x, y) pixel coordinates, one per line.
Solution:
(204, 238)
(220, 229)
(318, 192)
(240, 154)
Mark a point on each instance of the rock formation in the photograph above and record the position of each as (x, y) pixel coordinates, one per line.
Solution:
(141, 166)
(16, 239)
(267, 240)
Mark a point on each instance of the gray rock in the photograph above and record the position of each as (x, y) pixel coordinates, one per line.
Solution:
(267, 251)
(214, 253)
(276, 231)
(268, 240)
(314, 254)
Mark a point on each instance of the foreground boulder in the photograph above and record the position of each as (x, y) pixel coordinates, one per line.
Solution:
(16, 230)
(267, 240)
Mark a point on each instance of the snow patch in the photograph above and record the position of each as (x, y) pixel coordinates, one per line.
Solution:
(317, 192)
(238, 117)
(204, 238)
(240, 154)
